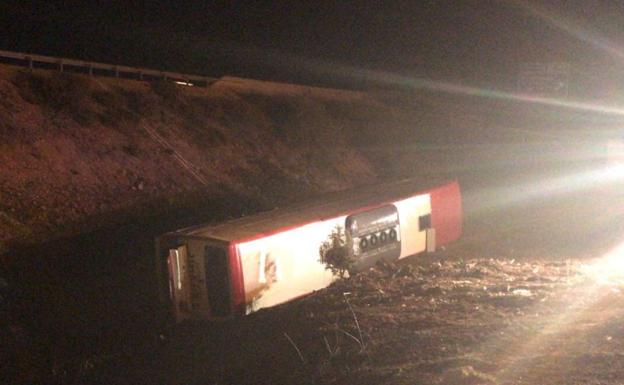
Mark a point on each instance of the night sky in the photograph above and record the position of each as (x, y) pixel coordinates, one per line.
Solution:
(476, 41)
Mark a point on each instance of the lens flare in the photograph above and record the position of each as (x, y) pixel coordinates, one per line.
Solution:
(607, 270)
(614, 172)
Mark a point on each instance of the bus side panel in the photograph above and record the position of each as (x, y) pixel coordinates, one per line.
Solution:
(446, 213)
(286, 265)
(413, 238)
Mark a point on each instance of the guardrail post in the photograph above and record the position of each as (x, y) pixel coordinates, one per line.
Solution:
(61, 65)
(140, 75)
(90, 69)
(30, 63)
(116, 71)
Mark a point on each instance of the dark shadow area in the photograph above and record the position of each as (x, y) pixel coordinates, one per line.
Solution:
(76, 301)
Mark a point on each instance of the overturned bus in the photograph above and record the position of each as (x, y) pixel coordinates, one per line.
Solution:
(233, 268)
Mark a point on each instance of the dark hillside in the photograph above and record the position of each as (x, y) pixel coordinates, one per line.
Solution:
(79, 153)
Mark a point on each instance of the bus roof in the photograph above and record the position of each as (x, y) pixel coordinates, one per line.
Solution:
(321, 208)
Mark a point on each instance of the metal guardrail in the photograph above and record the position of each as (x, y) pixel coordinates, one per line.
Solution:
(29, 60)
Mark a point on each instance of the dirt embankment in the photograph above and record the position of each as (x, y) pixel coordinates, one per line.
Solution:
(80, 153)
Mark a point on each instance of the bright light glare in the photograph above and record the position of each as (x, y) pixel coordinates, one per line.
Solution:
(614, 172)
(608, 269)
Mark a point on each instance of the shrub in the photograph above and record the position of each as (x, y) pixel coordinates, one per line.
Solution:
(167, 90)
(58, 92)
(130, 149)
(114, 112)
(139, 103)
(334, 253)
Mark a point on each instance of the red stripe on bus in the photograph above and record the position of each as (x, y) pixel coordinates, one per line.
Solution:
(446, 213)
(237, 282)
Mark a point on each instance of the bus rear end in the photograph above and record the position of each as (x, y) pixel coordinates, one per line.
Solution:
(203, 278)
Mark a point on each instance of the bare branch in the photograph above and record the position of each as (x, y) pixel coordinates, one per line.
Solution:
(295, 346)
(357, 324)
